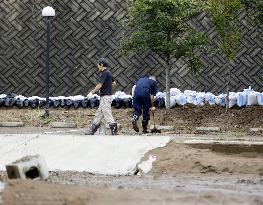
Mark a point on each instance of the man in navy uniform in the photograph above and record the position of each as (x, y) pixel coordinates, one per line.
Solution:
(145, 90)
(105, 88)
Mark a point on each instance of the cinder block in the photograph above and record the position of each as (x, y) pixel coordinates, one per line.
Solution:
(208, 129)
(28, 167)
(63, 125)
(12, 124)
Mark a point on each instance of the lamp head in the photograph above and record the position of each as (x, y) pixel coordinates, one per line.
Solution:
(48, 12)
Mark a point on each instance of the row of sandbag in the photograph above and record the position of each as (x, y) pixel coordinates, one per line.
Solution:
(120, 100)
(247, 97)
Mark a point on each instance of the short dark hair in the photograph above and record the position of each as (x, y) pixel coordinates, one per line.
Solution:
(104, 62)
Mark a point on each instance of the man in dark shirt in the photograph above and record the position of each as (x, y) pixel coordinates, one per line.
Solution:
(145, 90)
(105, 88)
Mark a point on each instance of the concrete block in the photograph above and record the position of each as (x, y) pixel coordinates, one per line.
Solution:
(12, 124)
(208, 129)
(28, 167)
(63, 125)
(256, 129)
(164, 127)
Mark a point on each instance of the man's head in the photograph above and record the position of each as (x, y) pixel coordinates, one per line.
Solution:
(103, 63)
(152, 78)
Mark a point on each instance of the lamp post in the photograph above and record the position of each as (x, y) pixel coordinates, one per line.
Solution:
(48, 12)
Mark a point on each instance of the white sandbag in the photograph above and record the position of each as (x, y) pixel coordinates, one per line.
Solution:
(190, 96)
(174, 91)
(21, 97)
(180, 99)
(121, 95)
(260, 98)
(220, 100)
(76, 98)
(172, 101)
(160, 95)
(199, 99)
(210, 98)
(232, 99)
(2, 95)
(242, 99)
(252, 99)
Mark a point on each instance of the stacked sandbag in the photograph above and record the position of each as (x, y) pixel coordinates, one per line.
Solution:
(247, 97)
(122, 100)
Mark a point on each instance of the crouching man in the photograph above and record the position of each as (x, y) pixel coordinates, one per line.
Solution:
(145, 90)
(105, 88)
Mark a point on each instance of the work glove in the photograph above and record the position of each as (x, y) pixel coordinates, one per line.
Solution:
(152, 109)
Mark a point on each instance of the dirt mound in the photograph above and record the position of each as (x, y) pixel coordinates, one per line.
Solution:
(220, 159)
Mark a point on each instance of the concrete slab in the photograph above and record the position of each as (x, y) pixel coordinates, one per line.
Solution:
(12, 124)
(110, 155)
(208, 129)
(63, 125)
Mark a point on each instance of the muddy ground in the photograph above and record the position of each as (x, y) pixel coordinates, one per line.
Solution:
(184, 118)
(182, 174)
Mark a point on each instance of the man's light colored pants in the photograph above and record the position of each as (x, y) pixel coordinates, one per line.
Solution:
(104, 110)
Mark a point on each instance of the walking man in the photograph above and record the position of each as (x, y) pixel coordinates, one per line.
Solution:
(145, 90)
(105, 88)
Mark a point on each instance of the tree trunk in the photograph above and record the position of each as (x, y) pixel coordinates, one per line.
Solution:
(168, 80)
(228, 85)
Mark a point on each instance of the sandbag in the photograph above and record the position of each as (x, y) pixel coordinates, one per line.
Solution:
(260, 98)
(180, 99)
(127, 102)
(94, 102)
(251, 99)
(85, 103)
(56, 103)
(33, 103)
(69, 103)
(232, 100)
(118, 103)
(172, 101)
(76, 104)
(19, 103)
(2, 101)
(160, 102)
(241, 99)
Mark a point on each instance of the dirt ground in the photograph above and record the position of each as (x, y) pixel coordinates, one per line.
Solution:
(182, 174)
(184, 118)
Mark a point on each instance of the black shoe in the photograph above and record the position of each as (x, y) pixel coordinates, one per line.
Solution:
(145, 131)
(144, 126)
(93, 129)
(114, 128)
(135, 126)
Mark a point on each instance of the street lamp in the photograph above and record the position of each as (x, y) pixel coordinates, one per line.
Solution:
(47, 12)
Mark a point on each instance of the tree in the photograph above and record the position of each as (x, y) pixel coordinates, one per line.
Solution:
(161, 26)
(255, 10)
(225, 17)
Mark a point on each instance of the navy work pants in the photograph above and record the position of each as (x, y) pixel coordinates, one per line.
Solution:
(142, 104)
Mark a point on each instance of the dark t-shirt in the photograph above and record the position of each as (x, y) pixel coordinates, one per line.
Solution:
(146, 87)
(106, 80)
